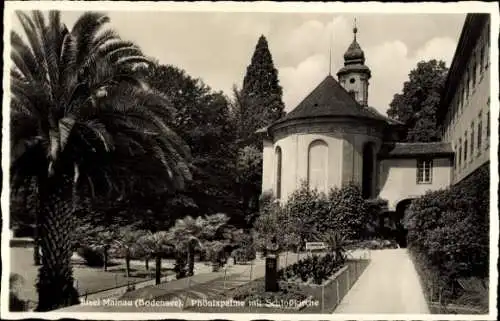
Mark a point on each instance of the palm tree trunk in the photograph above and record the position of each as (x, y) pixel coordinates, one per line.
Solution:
(36, 241)
(55, 281)
(127, 264)
(105, 258)
(190, 260)
(36, 230)
(158, 269)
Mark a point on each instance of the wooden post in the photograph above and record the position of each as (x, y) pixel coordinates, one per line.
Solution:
(322, 299)
(225, 273)
(348, 279)
(186, 297)
(337, 288)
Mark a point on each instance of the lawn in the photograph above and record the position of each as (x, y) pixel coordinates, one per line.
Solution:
(87, 280)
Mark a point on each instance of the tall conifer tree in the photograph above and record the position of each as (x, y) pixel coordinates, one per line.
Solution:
(261, 92)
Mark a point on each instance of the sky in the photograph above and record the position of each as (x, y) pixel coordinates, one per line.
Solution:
(217, 46)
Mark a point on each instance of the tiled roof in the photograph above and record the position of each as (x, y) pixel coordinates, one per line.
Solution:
(415, 149)
(389, 120)
(329, 98)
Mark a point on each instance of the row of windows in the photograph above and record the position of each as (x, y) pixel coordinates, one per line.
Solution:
(478, 64)
(317, 164)
(474, 141)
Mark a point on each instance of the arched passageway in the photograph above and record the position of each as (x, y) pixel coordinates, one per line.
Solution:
(401, 231)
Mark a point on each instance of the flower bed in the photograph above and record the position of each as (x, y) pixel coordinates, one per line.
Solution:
(313, 269)
(298, 285)
(294, 296)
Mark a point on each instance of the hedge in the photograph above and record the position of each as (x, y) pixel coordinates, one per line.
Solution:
(448, 232)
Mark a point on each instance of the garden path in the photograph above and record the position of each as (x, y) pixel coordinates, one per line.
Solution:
(389, 284)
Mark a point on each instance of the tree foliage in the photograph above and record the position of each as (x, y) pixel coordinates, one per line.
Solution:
(204, 121)
(269, 225)
(418, 103)
(312, 216)
(261, 94)
(82, 117)
(449, 230)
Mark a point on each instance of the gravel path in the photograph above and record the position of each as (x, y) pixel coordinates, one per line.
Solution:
(389, 285)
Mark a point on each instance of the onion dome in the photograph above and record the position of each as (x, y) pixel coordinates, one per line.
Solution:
(354, 54)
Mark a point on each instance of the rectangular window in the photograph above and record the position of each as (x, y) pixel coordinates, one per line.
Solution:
(463, 99)
(481, 59)
(465, 147)
(467, 87)
(473, 71)
(459, 153)
(487, 51)
(455, 160)
(424, 171)
(472, 138)
(488, 124)
(479, 132)
(460, 101)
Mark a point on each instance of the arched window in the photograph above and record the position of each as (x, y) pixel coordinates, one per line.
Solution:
(278, 172)
(317, 165)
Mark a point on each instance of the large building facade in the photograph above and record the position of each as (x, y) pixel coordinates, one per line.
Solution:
(333, 137)
(465, 107)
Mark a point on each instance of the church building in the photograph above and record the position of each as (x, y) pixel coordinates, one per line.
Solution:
(333, 137)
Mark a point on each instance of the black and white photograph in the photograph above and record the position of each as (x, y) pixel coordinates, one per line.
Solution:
(292, 161)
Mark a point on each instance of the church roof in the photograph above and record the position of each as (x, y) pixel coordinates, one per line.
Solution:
(329, 99)
(395, 150)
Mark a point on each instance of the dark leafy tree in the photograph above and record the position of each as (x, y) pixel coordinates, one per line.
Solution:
(82, 117)
(203, 120)
(249, 179)
(417, 105)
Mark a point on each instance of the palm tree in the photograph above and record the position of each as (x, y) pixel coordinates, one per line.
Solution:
(156, 244)
(190, 234)
(126, 241)
(81, 116)
(101, 237)
(336, 244)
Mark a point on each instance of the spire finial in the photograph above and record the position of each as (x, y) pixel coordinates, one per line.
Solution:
(355, 29)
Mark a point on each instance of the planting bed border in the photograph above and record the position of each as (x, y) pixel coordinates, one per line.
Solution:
(341, 282)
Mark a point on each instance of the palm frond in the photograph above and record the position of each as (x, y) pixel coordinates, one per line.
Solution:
(86, 29)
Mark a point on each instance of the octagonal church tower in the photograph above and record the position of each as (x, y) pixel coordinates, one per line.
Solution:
(330, 139)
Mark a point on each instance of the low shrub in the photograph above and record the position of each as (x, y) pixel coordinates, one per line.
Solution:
(256, 291)
(16, 304)
(245, 254)
(314, 268)
(92, 257)
(310, 215)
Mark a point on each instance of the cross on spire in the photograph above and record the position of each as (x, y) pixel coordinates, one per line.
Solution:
(355, 29)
